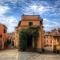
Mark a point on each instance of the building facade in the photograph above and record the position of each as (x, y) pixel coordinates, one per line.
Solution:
(15, 38)
(3, 35)
(52, 40)
(36, 21)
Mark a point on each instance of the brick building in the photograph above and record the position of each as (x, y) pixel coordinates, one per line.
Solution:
(52, 39)
(3, 35)
(36, 21)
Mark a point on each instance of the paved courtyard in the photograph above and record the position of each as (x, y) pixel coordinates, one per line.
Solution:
(15, 55)
(9, 54)
(38, 56)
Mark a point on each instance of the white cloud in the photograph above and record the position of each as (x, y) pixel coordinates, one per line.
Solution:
(9, 21)
(12, 1)
(35, 9)
(30, 9)
(3, 10)
(57, 3)
(49, 25)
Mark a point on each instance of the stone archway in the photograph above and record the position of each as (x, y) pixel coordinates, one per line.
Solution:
(28, 39)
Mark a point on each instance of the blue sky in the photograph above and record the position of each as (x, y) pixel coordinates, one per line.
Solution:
(12, 10)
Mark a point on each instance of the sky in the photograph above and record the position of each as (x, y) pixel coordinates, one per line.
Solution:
(12, 10)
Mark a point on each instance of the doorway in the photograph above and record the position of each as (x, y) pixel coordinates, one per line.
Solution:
(29, 41)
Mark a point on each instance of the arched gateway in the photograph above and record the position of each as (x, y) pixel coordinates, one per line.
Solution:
(35, 21)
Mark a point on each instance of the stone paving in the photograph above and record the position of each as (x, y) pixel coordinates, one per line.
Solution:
(15, 55)
(38, 56)
(9, 54)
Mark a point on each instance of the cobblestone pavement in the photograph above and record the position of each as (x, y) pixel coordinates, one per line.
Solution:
(9, 54)
(38, 56)
(15, 55)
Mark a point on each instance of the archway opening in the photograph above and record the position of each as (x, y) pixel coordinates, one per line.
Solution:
(29, 41)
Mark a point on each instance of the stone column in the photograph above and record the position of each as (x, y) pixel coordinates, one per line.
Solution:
(40, 42)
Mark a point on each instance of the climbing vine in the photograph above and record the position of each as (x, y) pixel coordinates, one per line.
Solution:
(24, 37)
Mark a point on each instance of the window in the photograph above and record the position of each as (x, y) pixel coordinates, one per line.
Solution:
(51, 41)
(0, 36)
(41, 22)
(4, 30)
(30, 23)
